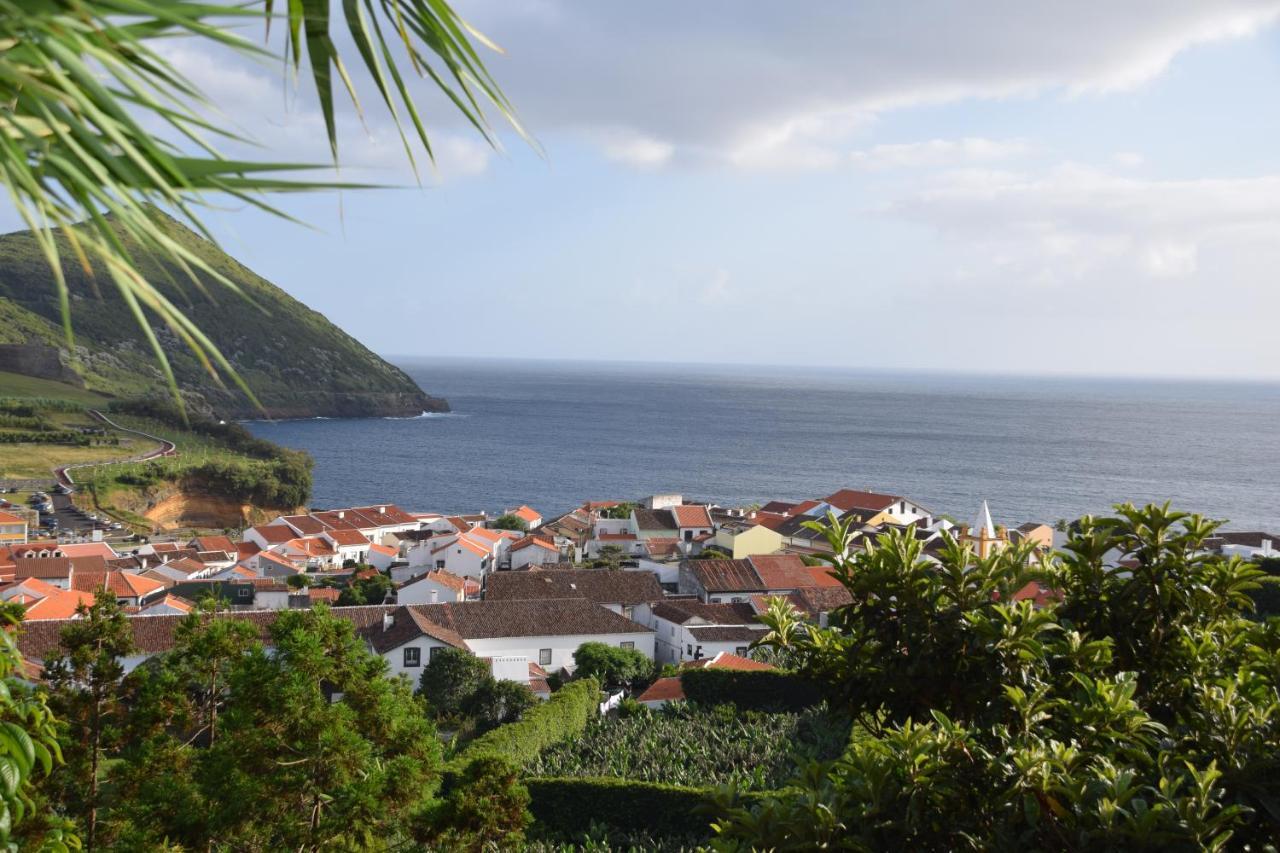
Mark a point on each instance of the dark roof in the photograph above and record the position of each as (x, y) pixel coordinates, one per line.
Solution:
(847, 499)
(655, 519)
(814, 600)
(476, 620)
(1247, 538)
(406, 624)
(779, 507)
(686, 610)
(726, 633)
(57, 567)
(603, 586)
(726, 575)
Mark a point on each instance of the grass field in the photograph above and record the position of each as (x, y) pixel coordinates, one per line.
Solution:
(16, 385)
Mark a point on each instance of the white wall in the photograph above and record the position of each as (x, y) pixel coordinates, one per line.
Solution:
(562, 646)
(533, 555)
(419, 592)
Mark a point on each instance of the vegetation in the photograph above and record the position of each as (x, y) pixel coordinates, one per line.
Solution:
(687, 744)
(367, 587)
(612, 667)
(562, 716)
(510, 522)
(1140, 713)
(102, 127)
(619, 510)
(461, 691)
(759, 690)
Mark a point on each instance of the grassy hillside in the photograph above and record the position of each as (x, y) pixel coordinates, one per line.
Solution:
(297, 362)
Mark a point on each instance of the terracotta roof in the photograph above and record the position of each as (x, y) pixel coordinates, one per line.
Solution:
(88, 549)
(275, 534)
(117, 582)
(386, 515)
(527, 513)
(788, 571)
(533, 540)
(384, 550)
(529, 618)
(278, 559)
(463, 542)
(214, 543)
(691, 516)
(323, 593)
(602, 586)
(615, 537)
(10, 518)
(728, 660)
(668, 689)
(662, 547)
(187, 565)
(726, 575)
(778, 507)
(347, 537)
(307, 525)
(682, 611)
(170, 600)
(768, 519)
(847, 499)
(215, 556)
(247, 549)
(60, 604)
(441, 577)
(57, 567)
(1039, 594)
(407, 624)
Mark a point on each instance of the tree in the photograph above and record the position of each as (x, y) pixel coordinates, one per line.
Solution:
(610, 557)
(450, 679)
(84, 683)
(298, 581)
(102, 127)
(372, 588)
(622, 509)
(510, 522)
(485, 810)
(612, 667)
(28, 742)
(1140, 712)
(498, 701)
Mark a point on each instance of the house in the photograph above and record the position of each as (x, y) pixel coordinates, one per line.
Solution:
(878, 507)
(169, 605)
(736, 581)
(130, 590)
(650, 523)
(269, 535)
(1251, 545)
(382, 556)
(693, 523)
(88, 549)
(13, 529)
(814, 602)
(472, 553)
(45, 601)
(530, 516)
(58, 571)
(350, 546)
(533, 550)
(627, 593)
(545, 632)
(671, 688)
(983, 536)
(747, 539)
(1039, 534)
(435, 587)
(690, 630)
(213, 543)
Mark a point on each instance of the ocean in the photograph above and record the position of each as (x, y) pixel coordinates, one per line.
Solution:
(555, 434)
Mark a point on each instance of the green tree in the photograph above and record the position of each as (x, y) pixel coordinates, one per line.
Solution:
(450, 679)
(85, 691)
(619, 510)
(485, 810)
(28, 743)
(610, 557)
(298, 581)
(1140, 713)
(101, 127)
(509, 522)
(370, 589)
(497, 701)
(611, 666)
(347, 754)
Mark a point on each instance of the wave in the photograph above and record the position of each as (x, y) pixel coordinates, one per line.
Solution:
(426, 415)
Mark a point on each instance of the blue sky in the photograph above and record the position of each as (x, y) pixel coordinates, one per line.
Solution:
(1080, 188)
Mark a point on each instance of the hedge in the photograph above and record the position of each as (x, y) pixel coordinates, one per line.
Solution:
(568, 807)
(754, 690)
(1267, 597)
(562, 716)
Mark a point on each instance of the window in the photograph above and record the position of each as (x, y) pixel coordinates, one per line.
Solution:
(413, 657)
(626, 645)
(439, 564)
(628, 611)
(673, 630)
(243, 592)
(431, 655)
(690, 649)
(740, 651)
(544, 657)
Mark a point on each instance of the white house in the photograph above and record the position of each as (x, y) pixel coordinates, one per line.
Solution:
(690, 630)
(434, 587)
(546, 633)
(533, 550)
(1252, 545)
(382, 556)
(349, 545)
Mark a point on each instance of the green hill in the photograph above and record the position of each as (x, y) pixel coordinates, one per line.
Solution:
(297, 362)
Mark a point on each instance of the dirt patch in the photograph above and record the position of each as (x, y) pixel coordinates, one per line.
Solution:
(170, 508)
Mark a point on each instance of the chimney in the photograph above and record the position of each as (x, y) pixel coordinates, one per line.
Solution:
(342, 513)
(435, 596)
(382, 510)
(1266, 547)
(388, 619)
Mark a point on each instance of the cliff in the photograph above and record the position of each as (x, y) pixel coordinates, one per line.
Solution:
(297, 362)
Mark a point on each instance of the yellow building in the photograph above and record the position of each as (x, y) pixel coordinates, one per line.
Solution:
(983, 535)
(754, 541)
(13, 529)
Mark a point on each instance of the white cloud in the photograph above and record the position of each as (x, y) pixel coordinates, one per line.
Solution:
(936, 153)
(636, 149)
(1128, 159)
(717, 290)
(787, 85)
(1078, 224)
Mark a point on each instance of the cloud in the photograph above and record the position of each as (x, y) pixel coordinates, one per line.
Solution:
(787, 86)
(937, 153)
(1076, 224)
(717, 290)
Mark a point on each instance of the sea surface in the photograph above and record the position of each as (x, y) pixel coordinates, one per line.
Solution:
(554, 434)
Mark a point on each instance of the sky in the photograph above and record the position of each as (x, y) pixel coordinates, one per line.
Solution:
(997, 187)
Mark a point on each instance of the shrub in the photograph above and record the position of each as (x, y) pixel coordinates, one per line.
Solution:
(763, 690)
(565, 714)
(485, 810)
(612, 666)
(571, 807)
(1266, 598)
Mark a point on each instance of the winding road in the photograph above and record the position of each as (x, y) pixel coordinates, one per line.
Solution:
(166, 448)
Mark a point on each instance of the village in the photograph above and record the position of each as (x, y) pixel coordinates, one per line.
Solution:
(682, 583)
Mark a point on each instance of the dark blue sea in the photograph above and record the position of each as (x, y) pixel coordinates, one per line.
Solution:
(554, 434)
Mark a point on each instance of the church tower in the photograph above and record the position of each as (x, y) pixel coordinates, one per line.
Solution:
(984, 536)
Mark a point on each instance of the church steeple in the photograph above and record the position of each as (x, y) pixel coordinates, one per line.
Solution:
(984, 535)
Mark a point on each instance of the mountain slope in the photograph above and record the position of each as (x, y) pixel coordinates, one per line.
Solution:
(297, 362)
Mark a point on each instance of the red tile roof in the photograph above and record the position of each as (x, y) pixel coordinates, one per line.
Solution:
(847, 499)
(384, 550)
(60, 604)
(347, 537)
(527, 513)
(691, 516)
(10, 518)
(728, 660)
(668, 689)
(214, 543)
(275, 534)
(788, 571)
(534, 540)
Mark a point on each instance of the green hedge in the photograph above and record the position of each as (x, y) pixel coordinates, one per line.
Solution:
(757, 690)
(562, 716)
(568, 807)
(1267, 597)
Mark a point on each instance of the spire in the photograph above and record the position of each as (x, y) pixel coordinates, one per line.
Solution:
(982, 525)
